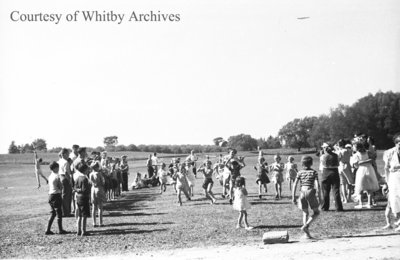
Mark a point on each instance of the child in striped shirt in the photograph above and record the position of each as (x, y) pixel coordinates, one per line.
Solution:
(308, 179)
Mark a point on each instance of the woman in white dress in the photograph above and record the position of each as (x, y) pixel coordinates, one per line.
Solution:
(392, 172)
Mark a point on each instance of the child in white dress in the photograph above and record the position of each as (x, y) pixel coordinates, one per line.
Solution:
(241, 203)
(162, 177)
(365, 178)
(291, 171)
(277, 175)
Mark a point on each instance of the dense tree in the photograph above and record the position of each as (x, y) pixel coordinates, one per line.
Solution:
(13, 148)
(243, 142)
(296, 133)
(110, 142)
(39, 145)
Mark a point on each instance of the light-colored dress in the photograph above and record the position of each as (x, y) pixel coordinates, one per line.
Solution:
(365, 175)
(345, 173)
(190, 176)
(162, 175)
(240, 202)
(291, 170)
(277, 172)
(98, 195)
(392, 166)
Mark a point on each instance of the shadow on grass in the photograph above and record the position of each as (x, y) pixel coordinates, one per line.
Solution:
(360, 210)
(124, 231)
(138, 224)
(122, 214)
(131, 200)
(366, 235)
(277, 226)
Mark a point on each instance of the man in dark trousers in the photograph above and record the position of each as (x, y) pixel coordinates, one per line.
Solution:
(330, 177)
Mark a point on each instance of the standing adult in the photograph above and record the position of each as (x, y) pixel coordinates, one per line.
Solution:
(330, 177)
(65, 177)
(150, 169)
(392, 172)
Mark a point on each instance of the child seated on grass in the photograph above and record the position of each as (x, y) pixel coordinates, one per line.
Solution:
(55, 200)
(308, 179)
(82, 191)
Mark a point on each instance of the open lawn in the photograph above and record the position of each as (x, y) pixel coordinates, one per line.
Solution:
(143, 220)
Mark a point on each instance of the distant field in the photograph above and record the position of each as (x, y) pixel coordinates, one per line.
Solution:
(144, 220)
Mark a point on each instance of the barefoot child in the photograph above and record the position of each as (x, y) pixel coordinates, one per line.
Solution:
(291, 171)
(38, 170)
(98, 195)
(181, 183)
(82, 190)
(163, 177)
(208, 182)
(262, 177)
(241, 203)
(277, 175)
(55, 200)
(234, 167)
(308, 179)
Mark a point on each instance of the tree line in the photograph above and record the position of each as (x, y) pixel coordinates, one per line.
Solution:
(375, 115)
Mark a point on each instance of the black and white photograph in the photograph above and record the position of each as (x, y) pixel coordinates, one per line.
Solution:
(200, 129)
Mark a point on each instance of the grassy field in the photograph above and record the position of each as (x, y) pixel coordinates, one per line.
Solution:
(143, 220)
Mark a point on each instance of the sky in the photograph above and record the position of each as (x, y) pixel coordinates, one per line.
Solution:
(226, 68)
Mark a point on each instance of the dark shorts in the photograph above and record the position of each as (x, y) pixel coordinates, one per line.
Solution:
(263, 178)
(308, 198)
(55, 202)
(83, 207)
(207, 182)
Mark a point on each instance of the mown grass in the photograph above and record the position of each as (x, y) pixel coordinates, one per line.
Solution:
(144, 220)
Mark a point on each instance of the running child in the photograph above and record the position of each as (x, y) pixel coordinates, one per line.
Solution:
(55, 200)
(208, 181)
(234, 167)
(277, 175)
(308, 179)
(181, 182)
(163, 177)
(291, 171)
(241, 203)
(262, 177)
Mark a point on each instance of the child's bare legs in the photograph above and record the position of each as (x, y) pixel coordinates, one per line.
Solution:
(179, 197)
(239, 222)
(276, 190)
(210, 194)
(79, 226)
(224, 182)
(265, 188)
(387, 217)
(343, 192)
(94, 209)
(101, 214)
(191, 191)
(161, 188)
(84, 218)
(259, 189)
(290, 182)
(307, 220)
(231, 182)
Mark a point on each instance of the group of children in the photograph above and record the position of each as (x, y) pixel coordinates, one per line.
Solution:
(94, 177)
(93, 180)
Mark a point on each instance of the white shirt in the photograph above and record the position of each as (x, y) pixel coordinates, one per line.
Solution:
(63, 167)
(55, 185)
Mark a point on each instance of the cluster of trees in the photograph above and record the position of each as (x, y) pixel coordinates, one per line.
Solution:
(375, 115)
(38, 144)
